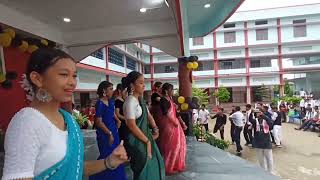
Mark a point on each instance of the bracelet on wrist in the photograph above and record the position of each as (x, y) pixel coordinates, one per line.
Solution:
(147, 141)
(107, 164)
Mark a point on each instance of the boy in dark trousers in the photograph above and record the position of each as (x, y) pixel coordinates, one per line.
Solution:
(220, 122)
(247, 131)
(261, 140)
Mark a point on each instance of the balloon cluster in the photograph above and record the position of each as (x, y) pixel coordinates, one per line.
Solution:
(6, 79)
(186, 103)
(192, 62)
(182, 102)
(9, 37)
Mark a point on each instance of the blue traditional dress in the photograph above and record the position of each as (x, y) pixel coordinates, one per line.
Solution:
(107, 114)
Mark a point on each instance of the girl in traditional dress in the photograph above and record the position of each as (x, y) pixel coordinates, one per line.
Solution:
(107, 131)
(146, 160)
(44, 141)
(172, 141)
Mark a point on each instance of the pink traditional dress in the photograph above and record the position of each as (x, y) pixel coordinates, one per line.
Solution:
(172, 141)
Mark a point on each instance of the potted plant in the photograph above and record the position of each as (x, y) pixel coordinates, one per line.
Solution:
(82, 120)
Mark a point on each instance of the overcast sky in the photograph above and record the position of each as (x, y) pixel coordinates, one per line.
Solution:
(262, 4)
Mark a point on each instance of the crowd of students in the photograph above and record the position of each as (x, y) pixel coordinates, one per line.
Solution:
(306, 113)
(261, 126)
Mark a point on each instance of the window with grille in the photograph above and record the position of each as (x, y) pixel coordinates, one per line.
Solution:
(226, 64)
(131, 63)
(115, 57)
(200, 66)
(232, 64)
(198, 41)
(230, 25)
(168, 69)
(261, 34)
(255, 64)
(230, 37)
(147, 69)
(98, 54)
(299, 28)
(258, 63)
(262, 22)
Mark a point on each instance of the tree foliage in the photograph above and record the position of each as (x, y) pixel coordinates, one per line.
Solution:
(201, 95)
(260, 93)
(223, 95)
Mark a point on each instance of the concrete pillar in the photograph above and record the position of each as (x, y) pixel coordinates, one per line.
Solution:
(151, 67)
(281, 90)
(185, 90)
(107, 56)
(308, 85)
(216, 99)
(185, 79)
(248, 95)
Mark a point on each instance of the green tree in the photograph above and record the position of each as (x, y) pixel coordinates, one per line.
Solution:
(223, 95)
(260, 93)
(201, 95)
(288, 89)
(276, 89)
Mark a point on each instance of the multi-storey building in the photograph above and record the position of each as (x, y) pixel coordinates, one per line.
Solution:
(253, 48)
(109, 63)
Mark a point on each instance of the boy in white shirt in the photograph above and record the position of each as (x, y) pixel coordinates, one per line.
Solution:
(204, 117)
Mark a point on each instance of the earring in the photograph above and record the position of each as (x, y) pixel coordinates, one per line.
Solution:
(131, 92)
(43, 95)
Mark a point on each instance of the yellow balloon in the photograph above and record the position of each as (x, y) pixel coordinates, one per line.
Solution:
(181, 99)
(195, 65)
(184, 106)
(5, 40)
(11, 32)
(32, 48)
(2, 78)
(189, 65)
(24, 46)
(44, 42)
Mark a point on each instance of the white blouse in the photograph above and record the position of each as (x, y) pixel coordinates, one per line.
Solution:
(132, 108)
(32, 145)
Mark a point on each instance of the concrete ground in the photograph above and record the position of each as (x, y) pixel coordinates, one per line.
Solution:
(299, 159)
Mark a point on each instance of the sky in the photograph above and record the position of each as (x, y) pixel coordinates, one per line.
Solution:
(262, 4)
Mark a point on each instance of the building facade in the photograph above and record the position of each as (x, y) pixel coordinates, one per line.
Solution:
(254, 48)
(109, 63)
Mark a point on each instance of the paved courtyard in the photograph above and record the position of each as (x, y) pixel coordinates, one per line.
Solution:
(299, 159)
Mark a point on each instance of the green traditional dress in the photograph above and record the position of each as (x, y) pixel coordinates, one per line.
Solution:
(142, 166)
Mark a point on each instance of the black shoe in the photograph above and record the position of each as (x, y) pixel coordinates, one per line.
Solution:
(239, 153)
(247, 144)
